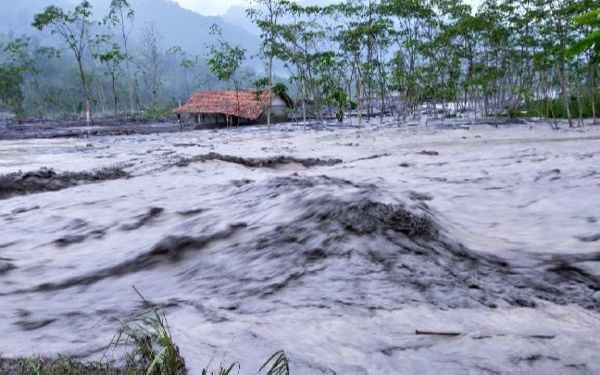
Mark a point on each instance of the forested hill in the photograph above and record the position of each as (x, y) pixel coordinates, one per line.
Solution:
(177, 26)
(17, 16)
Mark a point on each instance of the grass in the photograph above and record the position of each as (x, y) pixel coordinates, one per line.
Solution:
(150, 350)
(150, 337)
(56, 366)
(279, 364)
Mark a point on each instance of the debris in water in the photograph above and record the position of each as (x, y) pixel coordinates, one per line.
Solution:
(429, 152)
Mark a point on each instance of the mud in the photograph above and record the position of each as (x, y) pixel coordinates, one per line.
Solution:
(429, 153)
(592, 238)
(143, 219)
(272, 162)
(170, 249)
(77, 128)
(364, 259)
(6, 266)
(46, 179)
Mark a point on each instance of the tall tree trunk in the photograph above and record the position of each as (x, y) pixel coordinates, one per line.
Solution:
(359, 93)
(592, 68)
(580, 104)
(85, 90)
(114, 90)
(565, 93)
(270, 85)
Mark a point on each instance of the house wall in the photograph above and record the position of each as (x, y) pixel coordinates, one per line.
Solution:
(278, 112)
(207, 121)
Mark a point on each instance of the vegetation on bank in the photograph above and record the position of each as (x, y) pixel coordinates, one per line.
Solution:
(148, 348)
(580, 107)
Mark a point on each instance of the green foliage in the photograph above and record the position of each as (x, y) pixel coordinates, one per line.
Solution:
(187, 61)
(223, 370)
(11, 94)
(261, 83)
(12, 71)
(119, 12)
(224, 60)
(277, 364)
(555, 108)
(73, 27)
(158, 112)
(411, 50)
(279, 88)
(151, 350)
(111, 59)
(592, 40)
(153, 347)
(60, 365)
(339, 99)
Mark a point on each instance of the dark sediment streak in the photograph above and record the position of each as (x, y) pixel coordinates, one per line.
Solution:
(339, 242)
(144, 219)
(45, 179)
(272, 162)
(170, 249)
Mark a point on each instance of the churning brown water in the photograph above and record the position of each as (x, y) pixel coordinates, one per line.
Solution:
(335, 246)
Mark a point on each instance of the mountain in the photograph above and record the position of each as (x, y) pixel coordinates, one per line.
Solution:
(17, 16)
(177, 26)
(236, 15)
(189, 30)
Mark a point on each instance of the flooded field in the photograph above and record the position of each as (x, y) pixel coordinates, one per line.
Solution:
(379, 250)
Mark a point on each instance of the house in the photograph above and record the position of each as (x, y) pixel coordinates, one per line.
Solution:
(242, 107)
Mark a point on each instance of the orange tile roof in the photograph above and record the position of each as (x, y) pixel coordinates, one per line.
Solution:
(248, 104)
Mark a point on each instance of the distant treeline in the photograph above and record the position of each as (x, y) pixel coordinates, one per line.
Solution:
(118, 65)
(508, 57)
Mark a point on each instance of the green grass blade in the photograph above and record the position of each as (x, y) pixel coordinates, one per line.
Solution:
(155, 361)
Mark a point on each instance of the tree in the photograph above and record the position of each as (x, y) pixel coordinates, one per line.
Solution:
(414, 22)
(225, 60)
(112, 59)
(74, 28)
(187, 63)
(351, 38)
(10, 89)
(150, 62)
(267, 16)
(591, 40)
(304, 48)
(121, 17)
(12, 70)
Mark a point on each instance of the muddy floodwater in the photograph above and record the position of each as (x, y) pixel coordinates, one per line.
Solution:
(336, 245)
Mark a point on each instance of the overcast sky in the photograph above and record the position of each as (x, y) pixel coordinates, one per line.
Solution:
(218, 7)
(210, 7)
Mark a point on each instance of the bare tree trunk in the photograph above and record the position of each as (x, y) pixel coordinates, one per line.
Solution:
(130, 83)
(383, 86)
(592, 89)
(88, 109)
(304, 103)
(114, 90)
(580, 104)
(270, 86)
(565, 94)
(359, 94)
